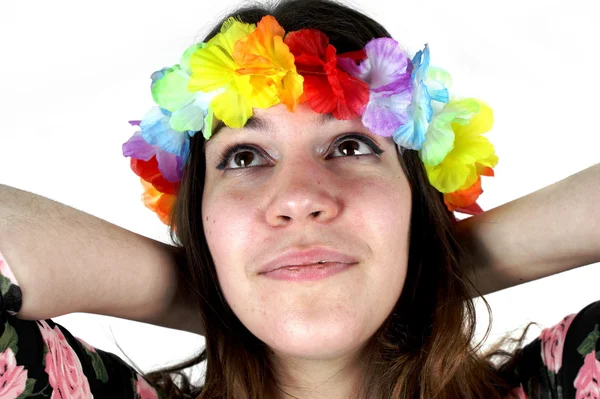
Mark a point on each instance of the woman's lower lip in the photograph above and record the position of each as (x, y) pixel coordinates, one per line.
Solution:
(312, 272)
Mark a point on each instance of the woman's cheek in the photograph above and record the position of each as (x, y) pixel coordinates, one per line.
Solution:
(228, 224)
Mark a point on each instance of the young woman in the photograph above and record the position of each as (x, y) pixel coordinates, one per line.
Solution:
(318, 256)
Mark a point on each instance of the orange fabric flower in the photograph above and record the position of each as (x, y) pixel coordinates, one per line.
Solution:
(464, 199)
(158, 202)
(265, 56)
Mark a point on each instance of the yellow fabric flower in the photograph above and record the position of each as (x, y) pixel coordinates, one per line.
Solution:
(472, 153)
(253, 66)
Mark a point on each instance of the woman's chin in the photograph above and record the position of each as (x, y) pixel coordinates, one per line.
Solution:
(318, 341)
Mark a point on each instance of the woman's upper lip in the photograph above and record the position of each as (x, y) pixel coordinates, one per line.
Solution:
(307, 257)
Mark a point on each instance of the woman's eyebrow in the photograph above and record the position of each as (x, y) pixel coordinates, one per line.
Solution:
(258, 123)
(254, 122)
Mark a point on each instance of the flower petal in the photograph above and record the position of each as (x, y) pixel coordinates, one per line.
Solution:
(421, 62)
(308, 47)
(439, 139)
(318, 94)
(384, 115)
(212, 66)
(170, 166)
(170, 91)
(438, 81)
(208, 124)
(464, 198)
(232, 30)
(480, 123)
(187, 55)
(327, 88)
(387, 63)
(354, 99)
(190, 117)
(471, 149)
(158, 202)
(233, 106)
(290, 89)
(156, 130)
(450, 175)
(137, 147)
(150, 172)
(212, 69)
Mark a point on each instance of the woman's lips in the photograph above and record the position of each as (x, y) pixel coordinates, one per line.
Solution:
(310, 272)
(307, 258)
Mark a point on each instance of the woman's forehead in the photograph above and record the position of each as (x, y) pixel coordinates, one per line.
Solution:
(274, 121)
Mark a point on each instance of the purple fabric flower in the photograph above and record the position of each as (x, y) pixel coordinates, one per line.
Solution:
(169, 165)
(387, 69)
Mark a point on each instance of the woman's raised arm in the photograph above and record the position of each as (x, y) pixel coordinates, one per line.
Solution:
(543, 233)
(66, 261)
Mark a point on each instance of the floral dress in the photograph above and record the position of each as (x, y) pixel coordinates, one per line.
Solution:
(41, 359)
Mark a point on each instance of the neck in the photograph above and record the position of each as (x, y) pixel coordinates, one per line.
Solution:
(304, 378)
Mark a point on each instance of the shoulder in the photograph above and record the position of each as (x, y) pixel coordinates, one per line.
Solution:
(41, 358)
(563, 361)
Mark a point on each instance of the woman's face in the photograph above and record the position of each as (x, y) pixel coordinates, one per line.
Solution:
(301, 191)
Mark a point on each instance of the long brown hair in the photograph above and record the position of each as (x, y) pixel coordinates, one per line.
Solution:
(424, 349)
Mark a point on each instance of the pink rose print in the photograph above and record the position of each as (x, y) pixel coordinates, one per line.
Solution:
(587, 378)
(6, 272)
(553, 340)
(12, 377)
(144, 390)
(63, 366)
(520, 392)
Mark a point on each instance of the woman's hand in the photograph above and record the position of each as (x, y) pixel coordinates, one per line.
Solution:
(546, 232)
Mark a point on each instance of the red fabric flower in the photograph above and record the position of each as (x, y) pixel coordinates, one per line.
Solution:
(148, 170)
(327, 88)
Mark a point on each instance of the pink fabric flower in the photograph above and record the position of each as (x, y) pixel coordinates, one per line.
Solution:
(553, 341)
(144, 390)
(12, 377)
(63, 367)
(587, 378)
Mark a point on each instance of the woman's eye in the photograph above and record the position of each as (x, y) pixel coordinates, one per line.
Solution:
(240, 156)
(354, 145)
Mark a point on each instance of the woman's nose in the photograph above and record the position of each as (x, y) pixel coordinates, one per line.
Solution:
(302, 194)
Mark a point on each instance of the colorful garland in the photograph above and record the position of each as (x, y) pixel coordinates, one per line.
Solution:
(248, 66)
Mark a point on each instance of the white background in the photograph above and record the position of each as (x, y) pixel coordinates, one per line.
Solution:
(73, 73)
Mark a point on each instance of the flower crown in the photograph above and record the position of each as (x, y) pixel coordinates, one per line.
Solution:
(248, 66)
